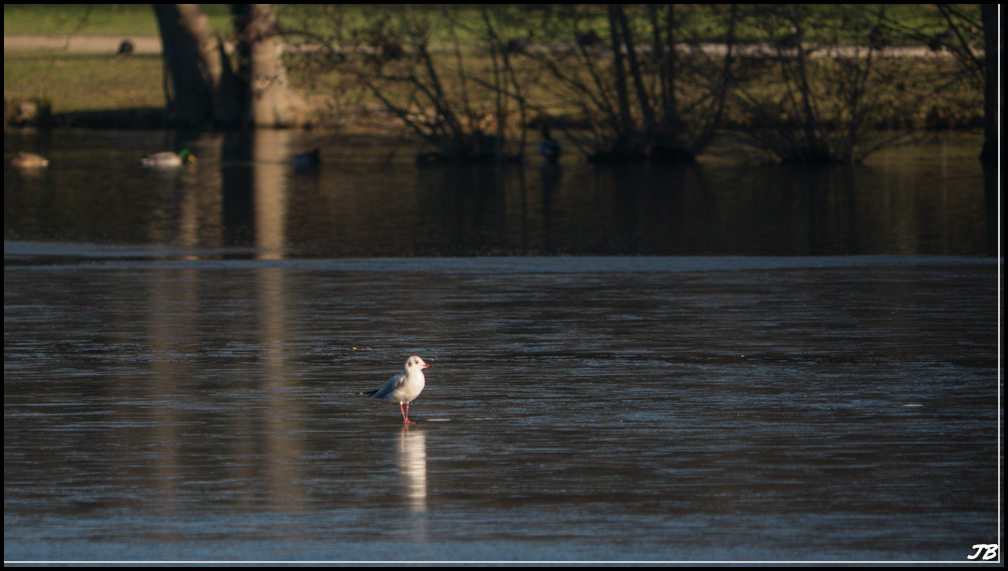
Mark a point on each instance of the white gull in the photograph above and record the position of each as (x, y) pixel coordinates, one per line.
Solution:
(404, 387)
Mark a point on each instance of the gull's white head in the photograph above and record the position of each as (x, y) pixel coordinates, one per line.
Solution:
(416, 363)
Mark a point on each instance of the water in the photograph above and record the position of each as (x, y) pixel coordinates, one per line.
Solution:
(367, 199)
(181, 372)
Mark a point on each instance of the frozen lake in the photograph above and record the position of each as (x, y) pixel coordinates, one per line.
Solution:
(582, 408)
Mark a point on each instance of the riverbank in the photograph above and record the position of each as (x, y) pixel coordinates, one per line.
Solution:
(83, 82)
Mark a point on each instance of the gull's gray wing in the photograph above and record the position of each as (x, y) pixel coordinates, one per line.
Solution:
(392, 384)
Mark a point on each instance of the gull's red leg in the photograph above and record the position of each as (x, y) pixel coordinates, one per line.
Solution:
(405, 414)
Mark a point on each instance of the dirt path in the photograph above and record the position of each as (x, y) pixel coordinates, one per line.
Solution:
(89, 44)
(110, 44)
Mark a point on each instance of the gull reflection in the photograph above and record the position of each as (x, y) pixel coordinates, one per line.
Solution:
(413, 467)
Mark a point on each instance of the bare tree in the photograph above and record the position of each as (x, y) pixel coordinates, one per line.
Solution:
(957, 36)
(961, 39)
(821, 111)
(461, 112)
(506, 84)
(635, 95)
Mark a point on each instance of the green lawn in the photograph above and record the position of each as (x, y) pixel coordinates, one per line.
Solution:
(136, 20)
(83, 82)
(698, 23)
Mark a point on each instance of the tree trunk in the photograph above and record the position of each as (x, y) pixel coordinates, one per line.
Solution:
(642, 96)
(271, 97)
(227, 108)
(187, 94)
(992, 102)
(665, 52)
(626, 120)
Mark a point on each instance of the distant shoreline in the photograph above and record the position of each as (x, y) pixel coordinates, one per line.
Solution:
(38, 96)
(152, 45)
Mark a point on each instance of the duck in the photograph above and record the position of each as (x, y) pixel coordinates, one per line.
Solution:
(25, 160)
(168, 159)
(307, 159)
(549, 148)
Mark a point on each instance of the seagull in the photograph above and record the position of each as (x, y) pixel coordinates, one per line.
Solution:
(404, 387)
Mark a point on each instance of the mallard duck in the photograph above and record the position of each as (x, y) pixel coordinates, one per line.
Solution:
(549, 148)
(307, 159)
(25, 160)
(168, 159)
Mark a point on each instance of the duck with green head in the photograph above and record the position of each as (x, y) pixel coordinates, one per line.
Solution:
(168, 159)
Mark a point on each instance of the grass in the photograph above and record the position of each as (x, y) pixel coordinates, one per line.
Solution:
(698, 23)
(138, 20)
(74, 82)
(127, 20)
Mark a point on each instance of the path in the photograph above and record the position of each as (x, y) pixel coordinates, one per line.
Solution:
(146, 45)
(92, 44)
